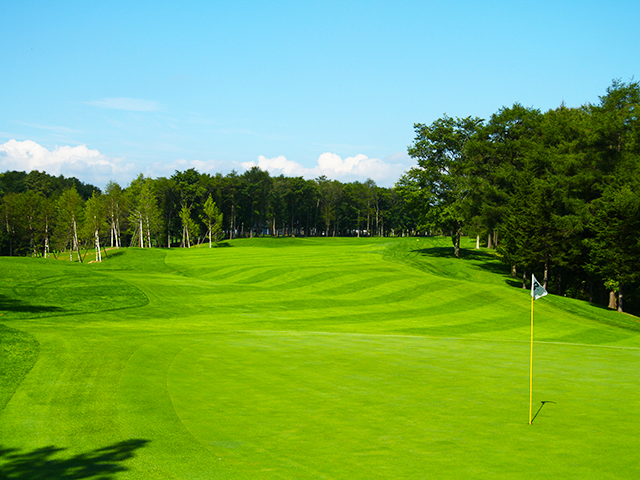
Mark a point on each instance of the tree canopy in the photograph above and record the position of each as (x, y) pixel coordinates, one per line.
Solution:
(554, 192)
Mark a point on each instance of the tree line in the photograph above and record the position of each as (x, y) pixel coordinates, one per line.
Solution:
(45, 215)
(556, 193)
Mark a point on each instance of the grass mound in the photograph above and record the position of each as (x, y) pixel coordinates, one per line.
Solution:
(35, 288)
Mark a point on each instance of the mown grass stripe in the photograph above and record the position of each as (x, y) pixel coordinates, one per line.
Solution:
(313, 358)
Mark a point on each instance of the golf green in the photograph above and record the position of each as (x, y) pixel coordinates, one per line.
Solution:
(308, 358)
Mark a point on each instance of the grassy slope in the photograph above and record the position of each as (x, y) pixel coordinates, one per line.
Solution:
(313, 358)
(18, 353)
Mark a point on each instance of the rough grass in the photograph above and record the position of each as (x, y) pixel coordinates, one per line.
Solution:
(310, 358)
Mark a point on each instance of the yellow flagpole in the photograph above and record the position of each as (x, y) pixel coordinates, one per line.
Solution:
(531, 365)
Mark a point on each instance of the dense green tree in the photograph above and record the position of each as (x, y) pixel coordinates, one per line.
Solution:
(169, 205)
(48, 185)
(10, 218)
(255, 185)
(229, 190)
(189, 187)
(329, 193)
(31, 210)
(440, 187)
(295, 198)
(39, 182)
(614, 248)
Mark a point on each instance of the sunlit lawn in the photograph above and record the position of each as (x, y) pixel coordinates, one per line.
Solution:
(307, 358)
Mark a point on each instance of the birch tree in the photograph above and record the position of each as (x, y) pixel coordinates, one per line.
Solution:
(47, 213)
(213, 220)
(189, 227)
(94, 215)
(114, 201)
(145, 214)
(69, 217)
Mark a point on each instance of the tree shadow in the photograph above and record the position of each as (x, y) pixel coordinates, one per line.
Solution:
(45, 463)
(14, 305)
(482, 258)
(114, 253)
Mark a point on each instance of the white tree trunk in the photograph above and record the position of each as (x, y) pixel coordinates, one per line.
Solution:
(98, 252)
(477, 242)
(112, 229)
(148, 232)
(76, 244)
(46, 238)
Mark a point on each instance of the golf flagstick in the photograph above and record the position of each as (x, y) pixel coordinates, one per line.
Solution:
(531, 365)
(537, 291)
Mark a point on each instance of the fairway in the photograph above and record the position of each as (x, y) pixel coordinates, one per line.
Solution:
(307, 358)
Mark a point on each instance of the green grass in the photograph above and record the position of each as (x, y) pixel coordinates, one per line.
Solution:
(308, 358)
(18, 353)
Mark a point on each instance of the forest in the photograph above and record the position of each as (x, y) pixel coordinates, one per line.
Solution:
(555, 193)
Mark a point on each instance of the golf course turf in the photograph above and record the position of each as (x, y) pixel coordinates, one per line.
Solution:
(308, 358)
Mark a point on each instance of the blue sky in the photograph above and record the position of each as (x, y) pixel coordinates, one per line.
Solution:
(107, 90)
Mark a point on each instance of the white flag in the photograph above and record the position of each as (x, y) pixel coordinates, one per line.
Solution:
(537, 290)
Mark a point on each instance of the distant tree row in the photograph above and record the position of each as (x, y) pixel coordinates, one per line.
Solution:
(557, 193)
(45, 215)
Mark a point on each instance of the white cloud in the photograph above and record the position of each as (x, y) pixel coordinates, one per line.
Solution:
(91, 166)
(358, 168)
(279, 166)
(163, 169)
(88, 165)
(129, 104)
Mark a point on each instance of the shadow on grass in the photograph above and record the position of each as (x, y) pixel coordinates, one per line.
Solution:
(485, 260)
(50, 463)
(114, 253)
(534, 417)
(13, 305)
